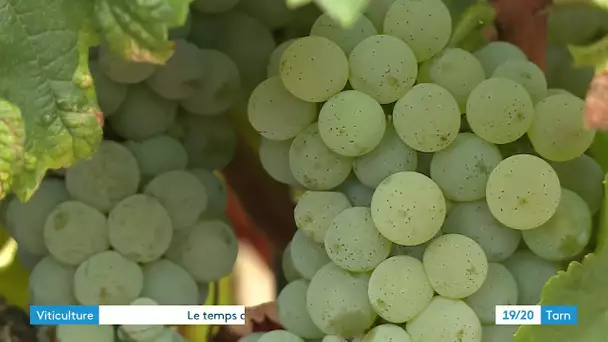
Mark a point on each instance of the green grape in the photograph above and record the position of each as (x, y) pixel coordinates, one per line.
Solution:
(499, 110)
(181, 194)
(499, 288)
(289, 270)
(74, 231)
(456, 265)
(169, 284)
(462, 169)
(143, 114)
(333, 338)
(140, 228)
(217, 196)
(589, 187)
(106, 179)
(217, 89)
(110, 94)
(456, 70)
(358, 194)
(413, 251)
(273, 14)
(207, 250)
(307, 255)
(25, 221)
(351, 123)
(209, 142)
(389, 157)
(337, 301)
(395, 299)
(523, 192)
(107, 278)
(292, 311)
(387, 333)
(474, 220)
(276, 114)
(446, 320)
(567, 232)
(354, 243)
(408, 208)
(314, 69)
(177, 78)
(274, 157)
(248, 43)
(253, 337)
(158, 154)
(316, 210)
(588, 19)
(313, 164)
(181, 32)
(121, 70)
(531, 274)
(527, 74)
(214, 6)
(89, 333)
(205, 29)
(383, 67)
(496, 53)
(51, 283)
(427, 117)
(556, 91)
(143, 333)
(345, 38)
(425, 26)
(274, 62)
(376, 12)
(557, 131)
(279, 336)
(498, 333)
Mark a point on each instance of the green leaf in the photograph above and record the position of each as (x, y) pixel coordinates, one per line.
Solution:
(137, 30)
(599, 149)
(345, 12)
(603, 4)
(293, 4)
(12, 145)
(593, 55)
(583, 285)
(467, 31)
(44, 73)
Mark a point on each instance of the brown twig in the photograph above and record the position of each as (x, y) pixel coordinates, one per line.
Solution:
(266, 201)
(524, 23)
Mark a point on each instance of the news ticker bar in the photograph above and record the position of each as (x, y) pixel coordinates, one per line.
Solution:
(536, 315)
(138, 315)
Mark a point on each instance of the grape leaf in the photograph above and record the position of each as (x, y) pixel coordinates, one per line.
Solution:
(583, 285)
(137, 30)
(44, 76)
(593, 55)
(345, 12)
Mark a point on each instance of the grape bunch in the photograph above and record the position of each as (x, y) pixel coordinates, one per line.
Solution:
(143, 222)
(437, 182)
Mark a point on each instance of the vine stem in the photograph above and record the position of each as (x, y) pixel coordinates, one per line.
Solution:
(524, 23)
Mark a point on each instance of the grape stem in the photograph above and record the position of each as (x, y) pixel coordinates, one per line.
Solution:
(267, 202)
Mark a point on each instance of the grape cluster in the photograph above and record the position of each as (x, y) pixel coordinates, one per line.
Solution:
(437, 182)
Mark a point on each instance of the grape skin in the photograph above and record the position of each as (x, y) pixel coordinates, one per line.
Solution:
(337, 301)
(279, 336)
(351, 123)
(274, 63)
(408, 208)
(314, 69)
(110, 94)
(531, 274)
(496, 53)
(158, 154)
(289, 270)
(274, 156)
(307, 256)
(446, 320)
(523, 192)
(293, 313)
(499, 288)
(345, 38)
(74, 231)
(387, 333)
(590, 187)
(140, 228)
(316, 210)
(394, 299)
(566, 233)
(169, 284)
(107, 278)
(89, 333)
(427, 118)
(456, 265)
(217, 195)
(354, 243)
(51, 283)
(527, 74)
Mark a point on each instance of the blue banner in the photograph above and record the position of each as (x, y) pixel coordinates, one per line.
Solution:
(559, 315)
(64, 314)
